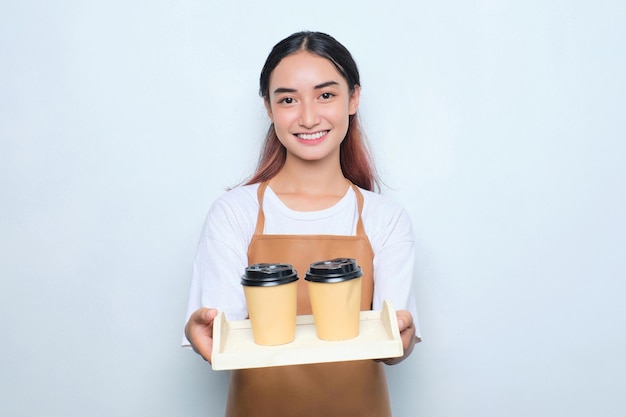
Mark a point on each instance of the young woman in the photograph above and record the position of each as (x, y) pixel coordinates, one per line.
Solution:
(310, 199)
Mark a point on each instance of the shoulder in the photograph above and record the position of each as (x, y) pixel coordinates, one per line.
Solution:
(384, 217)
(240, 198)
(380, 205)
(235, 209)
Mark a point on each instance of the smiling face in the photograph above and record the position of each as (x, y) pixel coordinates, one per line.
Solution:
(309, 104)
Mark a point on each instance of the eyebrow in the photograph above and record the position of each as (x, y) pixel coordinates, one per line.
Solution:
(280, 90)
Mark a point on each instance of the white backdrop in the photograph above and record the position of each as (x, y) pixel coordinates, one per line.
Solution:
(498, 124)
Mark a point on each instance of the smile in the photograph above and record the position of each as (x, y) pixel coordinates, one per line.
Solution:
(312, 136)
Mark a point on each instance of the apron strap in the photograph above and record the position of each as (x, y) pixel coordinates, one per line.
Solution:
(360, 229)
(260, 221)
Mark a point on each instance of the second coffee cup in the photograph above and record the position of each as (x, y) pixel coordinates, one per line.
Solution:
(335, 292)
(271, 296)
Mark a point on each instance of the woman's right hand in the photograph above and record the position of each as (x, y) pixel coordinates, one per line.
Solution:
(199, 331)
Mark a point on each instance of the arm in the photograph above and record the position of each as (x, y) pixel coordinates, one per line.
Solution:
(221, 258)
(394, 248)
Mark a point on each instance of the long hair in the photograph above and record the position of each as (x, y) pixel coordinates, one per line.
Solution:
(356, 161)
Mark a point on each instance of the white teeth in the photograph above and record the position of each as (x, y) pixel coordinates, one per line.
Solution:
(312, 136)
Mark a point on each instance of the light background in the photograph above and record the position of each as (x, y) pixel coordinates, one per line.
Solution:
(498, 124)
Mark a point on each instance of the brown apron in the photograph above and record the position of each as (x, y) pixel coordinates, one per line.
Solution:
(341, 389)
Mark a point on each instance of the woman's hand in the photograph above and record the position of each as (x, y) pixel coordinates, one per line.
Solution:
(407, 334)
(199, 331)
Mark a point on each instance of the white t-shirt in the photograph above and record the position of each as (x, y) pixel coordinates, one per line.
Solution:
(222, 253)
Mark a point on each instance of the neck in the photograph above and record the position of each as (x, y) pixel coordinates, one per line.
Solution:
(310, 177)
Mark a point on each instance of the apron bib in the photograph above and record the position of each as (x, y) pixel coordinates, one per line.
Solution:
(338, 389)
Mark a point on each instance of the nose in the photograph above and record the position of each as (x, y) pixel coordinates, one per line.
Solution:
(309, 115)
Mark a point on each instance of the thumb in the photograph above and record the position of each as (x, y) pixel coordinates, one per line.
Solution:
(209, 314)
(405, 320)
(401, 324)
(203, 316)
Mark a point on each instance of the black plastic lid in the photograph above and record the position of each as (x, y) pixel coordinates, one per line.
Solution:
(334, 270)
(266, 275)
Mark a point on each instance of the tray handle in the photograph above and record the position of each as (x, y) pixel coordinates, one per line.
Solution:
(390, 320)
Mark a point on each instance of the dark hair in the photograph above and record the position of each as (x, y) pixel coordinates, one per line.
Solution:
(317, 43)
(355, 159)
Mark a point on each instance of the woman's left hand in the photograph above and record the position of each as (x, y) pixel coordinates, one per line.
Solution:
(407, 334)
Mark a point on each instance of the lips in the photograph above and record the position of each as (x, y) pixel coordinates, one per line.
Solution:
(312, 136)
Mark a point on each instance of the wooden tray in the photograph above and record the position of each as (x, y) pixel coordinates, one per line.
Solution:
(234, 347)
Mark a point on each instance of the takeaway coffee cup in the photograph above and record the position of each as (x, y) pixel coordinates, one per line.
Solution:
(271, 296)
(335, 292)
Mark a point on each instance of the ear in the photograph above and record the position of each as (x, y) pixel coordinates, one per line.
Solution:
(268, 109)
(354, 99)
